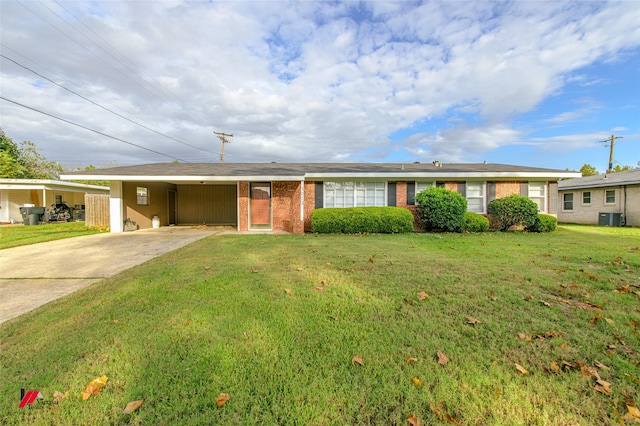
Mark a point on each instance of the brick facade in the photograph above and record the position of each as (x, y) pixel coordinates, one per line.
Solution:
(286, 207)
(504, 189)
(309, 203)
(243, 205)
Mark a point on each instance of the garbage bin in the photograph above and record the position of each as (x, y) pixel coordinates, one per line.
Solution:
(31, 215)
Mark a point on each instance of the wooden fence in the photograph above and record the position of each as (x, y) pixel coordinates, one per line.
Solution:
(96, 210)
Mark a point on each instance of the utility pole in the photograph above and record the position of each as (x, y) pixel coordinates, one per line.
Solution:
(223, 138)
(611, 142)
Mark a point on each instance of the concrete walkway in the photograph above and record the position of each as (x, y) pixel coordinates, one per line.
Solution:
(33, 275)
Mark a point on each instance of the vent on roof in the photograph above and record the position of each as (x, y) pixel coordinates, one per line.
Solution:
(436, 164)
(416, 162)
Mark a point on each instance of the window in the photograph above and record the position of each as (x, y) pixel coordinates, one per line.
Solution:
(58, 199)
(475, 197)
(142, 195)
(421, 186)
(567, 201)
(538, 194)
(354, 194)
(586, 197)
(610, 196)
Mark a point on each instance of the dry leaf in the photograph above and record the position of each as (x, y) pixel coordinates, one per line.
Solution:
(412, 359)
(413, 420)
(288, 291)
(318, 288)
(564, 345)
(521, 369)
(632, 415)
(554, 367)
(451, 419)
(472, 320)
(494, 298)
(545, 303)
(59, 396)
(222, 399)
(357, 359)
(603, 387)
(523, 336)
(435, 411)
(416, 381)
(610, 321)
(206, 268)
(601, 366)
(94, 387)
(187, 323)
(442, 358)
(132, 406)
(422, 295)
(299, 269)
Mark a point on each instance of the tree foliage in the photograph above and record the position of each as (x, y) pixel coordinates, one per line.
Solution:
(619, 168)
(24, 161)
(588, 170)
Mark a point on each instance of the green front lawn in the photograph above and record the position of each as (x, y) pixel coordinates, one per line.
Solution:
(276, 321)
(22, 235)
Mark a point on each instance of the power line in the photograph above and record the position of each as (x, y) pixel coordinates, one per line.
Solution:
(611, 142)
(223, 137)
(103, 107)
(92, 130)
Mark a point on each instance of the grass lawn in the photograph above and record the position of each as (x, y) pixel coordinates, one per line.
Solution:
(275, 322)
(21, 235)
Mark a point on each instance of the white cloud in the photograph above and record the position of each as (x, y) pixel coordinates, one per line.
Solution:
(301, 81)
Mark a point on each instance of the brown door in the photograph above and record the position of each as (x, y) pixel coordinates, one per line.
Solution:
(171, 197)
(260, 207)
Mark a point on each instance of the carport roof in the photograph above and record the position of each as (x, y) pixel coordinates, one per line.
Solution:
(314, 171)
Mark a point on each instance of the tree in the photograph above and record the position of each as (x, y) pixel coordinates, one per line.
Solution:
(24, 161)
(588, 170)
(619, 168)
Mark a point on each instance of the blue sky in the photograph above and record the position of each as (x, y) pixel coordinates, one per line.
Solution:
(530, 83)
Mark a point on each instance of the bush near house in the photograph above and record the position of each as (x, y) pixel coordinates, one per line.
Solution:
(543, 223)
(354, 220)
(513, 210)
(441, 209)
(475, 222)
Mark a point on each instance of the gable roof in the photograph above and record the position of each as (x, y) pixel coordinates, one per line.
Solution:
(630, 177)
(315, 171)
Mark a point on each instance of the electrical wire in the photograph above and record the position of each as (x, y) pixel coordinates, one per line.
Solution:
(92, 130)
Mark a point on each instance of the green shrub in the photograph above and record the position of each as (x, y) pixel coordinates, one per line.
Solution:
(441, 209)
(543, 223)
(354, 220)
(474, 222)
(513, 210)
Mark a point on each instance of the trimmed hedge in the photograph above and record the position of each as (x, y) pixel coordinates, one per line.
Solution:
(475, 222)
(355, 220)
(441, 209)
(513, 210)
(543, 223)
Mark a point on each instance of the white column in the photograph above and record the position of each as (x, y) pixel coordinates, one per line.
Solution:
(116, 206)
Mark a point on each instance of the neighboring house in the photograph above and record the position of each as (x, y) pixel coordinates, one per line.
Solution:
(14, 193)
(609, 199)
(275, 196)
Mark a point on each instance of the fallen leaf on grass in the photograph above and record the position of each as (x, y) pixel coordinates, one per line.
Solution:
(422, 295)
(132, 406)
(442, 358)
(450, 419)
(564, 345)
(610, 321)
(412, 359)
(472, 320)
(318, 288)
(603, 387)
(601, 366)
(94, 387)
(187, 323)
(357, 359)
(595, 319)
(222, 399)
(523, 336)
(435, 411)
(633, 414)
(521, 369)
(545, 303)
(554, 367)
(288, 291)
(413, 420)
(59, 396)
(416, 381)
(299, 269)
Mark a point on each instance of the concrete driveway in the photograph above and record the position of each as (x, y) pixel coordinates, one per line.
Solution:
(33, 275)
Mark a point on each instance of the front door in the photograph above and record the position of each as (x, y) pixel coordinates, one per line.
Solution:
(260, 205)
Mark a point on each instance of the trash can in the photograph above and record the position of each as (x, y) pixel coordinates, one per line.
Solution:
(31, 215)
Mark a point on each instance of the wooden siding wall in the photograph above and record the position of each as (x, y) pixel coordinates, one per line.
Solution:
(96, 211)
(210, 204)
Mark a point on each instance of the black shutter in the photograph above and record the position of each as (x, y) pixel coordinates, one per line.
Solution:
(524, 189)
(319, 195)
(462, 189)
(411, 193)
(391, 194)
(440, 184)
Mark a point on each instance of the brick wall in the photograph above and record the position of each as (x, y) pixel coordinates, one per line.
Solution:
(243, 205)
(286, 207)
(309, 203)
(504, 189)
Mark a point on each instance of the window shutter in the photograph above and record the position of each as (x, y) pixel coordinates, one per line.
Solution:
(491, 191)
(391, 194)
(411, 193)
(462, 189)
(524, 189)
(319, 195)
(440, 185)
